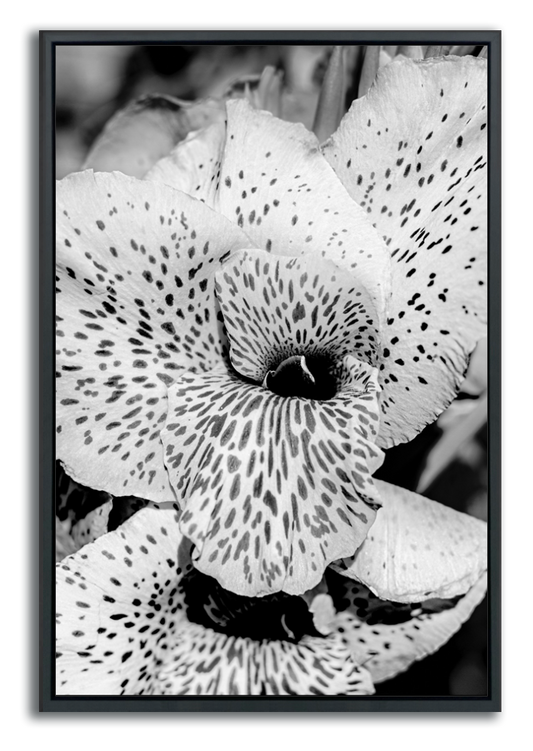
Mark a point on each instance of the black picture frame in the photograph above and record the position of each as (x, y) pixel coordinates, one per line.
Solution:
(38, 711)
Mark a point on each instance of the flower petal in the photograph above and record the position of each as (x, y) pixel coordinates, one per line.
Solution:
(205, 662)
(74, 500)
(388, 637)
(270, 177)
(418, 548)
(135, 305)
(82, 514)
(112, 631)
(273, 488)
(277, 307)
(92, 526)
(146, 130)
(65, 545)
(413, 154)
(122, 628)
(192, 166)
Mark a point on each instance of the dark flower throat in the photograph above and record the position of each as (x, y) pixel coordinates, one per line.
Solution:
(308, 377)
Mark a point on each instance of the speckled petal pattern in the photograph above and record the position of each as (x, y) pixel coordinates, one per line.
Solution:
(135, 305)
(122, 629)
(387, 637)
(275, 308)
(413, 154)
(193, 164)
(270, 177)
(418, 549)
(205, 663)
(273, 488)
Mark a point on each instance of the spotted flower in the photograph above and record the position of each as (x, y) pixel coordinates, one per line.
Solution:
(135, 616)
(241, 334)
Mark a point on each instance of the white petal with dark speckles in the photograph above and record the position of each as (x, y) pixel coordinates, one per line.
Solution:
(413, 154)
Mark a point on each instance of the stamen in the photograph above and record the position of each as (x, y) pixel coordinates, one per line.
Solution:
(306, 370)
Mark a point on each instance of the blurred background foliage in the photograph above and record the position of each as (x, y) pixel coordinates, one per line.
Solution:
(447, 462)
(94, 82)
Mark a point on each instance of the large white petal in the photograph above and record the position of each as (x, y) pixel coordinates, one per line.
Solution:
(135, 306)
(418, 549)
(270, 177)
(413, 154)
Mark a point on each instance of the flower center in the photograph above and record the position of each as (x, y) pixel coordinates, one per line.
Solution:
(278, 617)
(309, 377)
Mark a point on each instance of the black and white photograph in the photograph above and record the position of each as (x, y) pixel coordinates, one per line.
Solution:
(271, 470)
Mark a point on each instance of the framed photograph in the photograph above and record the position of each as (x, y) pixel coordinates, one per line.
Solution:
(270, 371)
